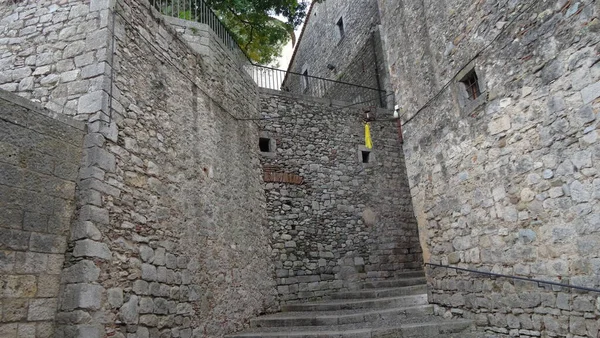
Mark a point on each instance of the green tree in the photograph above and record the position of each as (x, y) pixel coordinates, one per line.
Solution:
(253, 23)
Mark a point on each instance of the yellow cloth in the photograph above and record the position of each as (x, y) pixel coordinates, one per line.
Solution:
(368, 142)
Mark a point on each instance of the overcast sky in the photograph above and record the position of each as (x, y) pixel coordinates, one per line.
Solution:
(288, 50)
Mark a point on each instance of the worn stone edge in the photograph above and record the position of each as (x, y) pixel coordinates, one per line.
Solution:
(329, 102)
(36, 108)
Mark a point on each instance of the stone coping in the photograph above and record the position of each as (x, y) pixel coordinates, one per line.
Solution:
(328, 102)
(37, 108)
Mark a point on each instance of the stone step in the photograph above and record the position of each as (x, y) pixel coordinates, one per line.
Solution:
(323, 318)
(379, 293)
(425, 327)
(350, 304)
(394, 283)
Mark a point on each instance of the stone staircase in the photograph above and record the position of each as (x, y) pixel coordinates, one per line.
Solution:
(389, 308)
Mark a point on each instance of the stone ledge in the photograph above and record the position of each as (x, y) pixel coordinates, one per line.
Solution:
(34, 107)
(328, 102)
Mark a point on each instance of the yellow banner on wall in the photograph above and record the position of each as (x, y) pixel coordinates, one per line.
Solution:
(368, 142)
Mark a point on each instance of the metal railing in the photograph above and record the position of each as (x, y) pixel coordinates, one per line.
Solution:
(497, 275)
(266, 77)
(277, 79)
(199, 11)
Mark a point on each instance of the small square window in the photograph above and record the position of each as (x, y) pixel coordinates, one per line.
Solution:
(366, 156)
(340, 26)
(471, 83)
(264, 144)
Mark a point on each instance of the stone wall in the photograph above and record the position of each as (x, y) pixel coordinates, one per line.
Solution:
(347, 221)
(39, 158)
(357, 57)
(174, 240)
(56, 53)
(509, 182)
(169, 235)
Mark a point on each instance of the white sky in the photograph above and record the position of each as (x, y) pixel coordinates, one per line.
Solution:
(288, 50)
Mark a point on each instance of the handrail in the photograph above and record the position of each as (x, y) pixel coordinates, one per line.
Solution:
(538, 281)
(320, 78)
(200, 11)
(304, 84)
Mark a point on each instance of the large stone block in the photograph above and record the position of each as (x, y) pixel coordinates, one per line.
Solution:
(18, 286)
(89, 248)
(14, 239)
(82, 296)
(129, 312)
(48, 243)
(84, 271)
(42, 309)
(14, 309)
(94, 214)
(96, 156)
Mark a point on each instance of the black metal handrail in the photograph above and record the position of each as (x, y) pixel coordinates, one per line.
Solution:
(498, 275)
(277, 79)
(199, 11)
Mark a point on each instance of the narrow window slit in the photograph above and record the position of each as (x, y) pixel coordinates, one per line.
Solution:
(366, 155)
(264, 144)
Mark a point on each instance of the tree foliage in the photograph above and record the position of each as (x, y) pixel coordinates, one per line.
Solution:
(255, 24)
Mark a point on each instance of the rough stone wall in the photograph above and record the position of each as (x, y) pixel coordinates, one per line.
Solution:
(39, 160)
(356, 56)
(169, 236)
(507, 183)
(56, 53)
(175, 243)
(320, 239)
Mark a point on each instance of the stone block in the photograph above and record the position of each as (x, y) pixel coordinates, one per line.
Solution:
(49, 286)
(146, 254)
(84, 271)
(171, 260)
(499, 125)
(149, 272)
(89, 248)
(97, 5)
(96, 156)
(18, 286)
(26, 330)
(9, 330)
(42, 309)
(84, 331)
(85, 230)
(159, 256)
(82, 296)
(129, 312)
(161, 306)
(96, 184)
(141, 287)
(97, 40)
(73, 49)
(94, 214)
(146, 305)
(31, 262)
(14, 309)
(93, 102)
(47, 243)
(590, 93)
(14, 239)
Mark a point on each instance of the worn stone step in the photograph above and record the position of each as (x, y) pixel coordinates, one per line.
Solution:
(349, 304)
(323, 318)
(380, 293)
(394, 283)
(426, 327)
